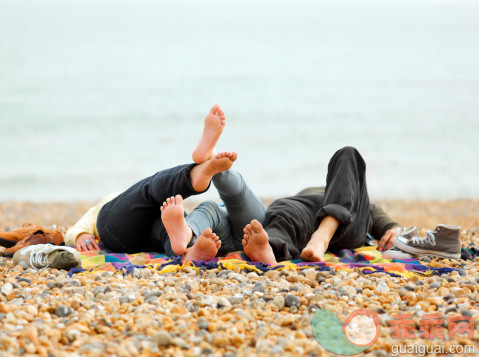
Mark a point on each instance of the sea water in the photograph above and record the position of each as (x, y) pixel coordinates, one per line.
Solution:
(95, 95)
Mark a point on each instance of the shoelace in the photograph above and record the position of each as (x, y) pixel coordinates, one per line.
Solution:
(429, 238)
(40, 258)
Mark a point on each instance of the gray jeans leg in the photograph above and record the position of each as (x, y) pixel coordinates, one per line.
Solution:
(242, 204)
(212, 215)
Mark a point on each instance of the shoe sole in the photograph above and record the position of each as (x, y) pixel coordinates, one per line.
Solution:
(406, 248)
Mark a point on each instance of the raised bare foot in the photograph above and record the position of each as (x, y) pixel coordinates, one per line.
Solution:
(205, 248)
(255, 244)
(172, 216)
(314, 250)
(214, 124)
(202, 174)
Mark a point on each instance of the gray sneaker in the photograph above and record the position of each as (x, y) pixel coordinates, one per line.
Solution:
(443, 241)
(41, 256)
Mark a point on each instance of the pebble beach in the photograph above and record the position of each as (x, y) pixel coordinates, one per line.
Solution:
(223, 313)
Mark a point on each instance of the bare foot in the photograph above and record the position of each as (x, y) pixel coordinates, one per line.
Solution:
(214, 124)
(255, 244)
(205, 248)
(202, 174)
(174, 221)
(314, 250)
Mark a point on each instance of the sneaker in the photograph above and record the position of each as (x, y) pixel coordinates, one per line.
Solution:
(406, 232)
(396, 254)
(41, 256)
(443, 241)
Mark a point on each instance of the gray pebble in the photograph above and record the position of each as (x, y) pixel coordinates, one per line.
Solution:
(449, 298)
(62, 310)
(347, 290)
(26, 280)
(451, 309)
(291, 300)
(153, 294)
(435, 285)
(235, 299)
(258, 287)
(466, 313)
(127, 298)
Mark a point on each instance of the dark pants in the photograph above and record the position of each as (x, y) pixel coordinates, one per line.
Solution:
(131, 222)
(290, 222)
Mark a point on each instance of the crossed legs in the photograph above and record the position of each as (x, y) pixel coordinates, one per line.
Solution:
(342, 217)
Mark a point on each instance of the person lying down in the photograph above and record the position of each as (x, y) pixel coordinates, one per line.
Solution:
(149, 216)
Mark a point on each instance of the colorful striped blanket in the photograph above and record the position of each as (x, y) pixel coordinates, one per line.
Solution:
(367, 259)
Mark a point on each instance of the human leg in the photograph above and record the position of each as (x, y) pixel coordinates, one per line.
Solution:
(343, 219)
(212, 215)
(214, 124)
(124, 222)
(172, 212)
(288, 226)
(241, 203)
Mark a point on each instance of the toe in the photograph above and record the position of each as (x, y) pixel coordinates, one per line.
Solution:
(162, 209)
(256, 226)
(207, 232)
(179, 199)
(215, 108)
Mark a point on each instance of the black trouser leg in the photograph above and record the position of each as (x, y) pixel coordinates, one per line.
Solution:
(290, 222)
(346, 198)
(125, 223)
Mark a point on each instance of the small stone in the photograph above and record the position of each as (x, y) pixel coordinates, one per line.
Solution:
(435, 285)
(449, 298)
(153, 294)
(378, 309)
(451, 309)
(127, 299)
(382, 287)
(26, 280)
(443, 291)
(145, 273)
(223, 302)
(279, 302)
(62, 310)
(238, 277)
(203, 323)
(258, 287)
(466, 313)
(6, 289)
(235, 299)
(220, 341)
(347, 290)
(409, 288)
(291, 300)
(458, 292)
(162, 338)
(293, 309)
(435, 300)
